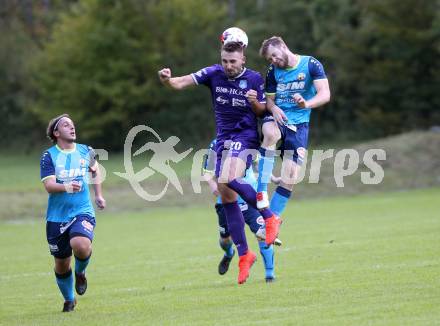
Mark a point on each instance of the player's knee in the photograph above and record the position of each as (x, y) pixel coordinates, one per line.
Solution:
(82, 247)
(270, 136)
(270, 139)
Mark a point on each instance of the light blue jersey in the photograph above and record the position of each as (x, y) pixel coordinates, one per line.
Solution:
(67, 166)
(284, 83)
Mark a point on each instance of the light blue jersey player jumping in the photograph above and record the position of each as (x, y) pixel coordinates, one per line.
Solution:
(295, 84)
(70, 218)
(251, 216)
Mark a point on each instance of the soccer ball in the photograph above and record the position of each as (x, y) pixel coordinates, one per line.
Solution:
(234, 34)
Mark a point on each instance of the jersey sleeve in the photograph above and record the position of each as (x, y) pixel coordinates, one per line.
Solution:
(316, 69)
(209, 160)
(203, 76)
(47, 168)
(259, 87)
(271, 83)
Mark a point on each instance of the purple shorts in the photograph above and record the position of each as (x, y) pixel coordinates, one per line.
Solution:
(241, 144)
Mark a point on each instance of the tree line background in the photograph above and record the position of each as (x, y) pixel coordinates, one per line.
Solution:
(98, 61)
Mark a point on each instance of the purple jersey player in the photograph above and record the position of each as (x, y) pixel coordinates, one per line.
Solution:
(235, 119)
(237, 96)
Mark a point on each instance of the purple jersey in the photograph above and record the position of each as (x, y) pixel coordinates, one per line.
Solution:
(233, 112)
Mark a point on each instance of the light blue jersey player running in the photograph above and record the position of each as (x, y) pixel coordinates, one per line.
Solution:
(295, 84)
(251, 216)
(70, 218)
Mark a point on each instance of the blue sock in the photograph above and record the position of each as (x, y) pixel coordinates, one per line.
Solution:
(267, 254)
(279, 200)
(81, 264)
(227, 247)
(265, 167)
(65, 284)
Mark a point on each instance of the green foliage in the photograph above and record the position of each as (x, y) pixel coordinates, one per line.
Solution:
(383, 66)
(402, 64)
(98, 60)
(16, 47)
(101, 66)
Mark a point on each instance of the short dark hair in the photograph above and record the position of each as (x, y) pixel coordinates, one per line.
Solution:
(233, 47)
(53, 125)
(276, 41)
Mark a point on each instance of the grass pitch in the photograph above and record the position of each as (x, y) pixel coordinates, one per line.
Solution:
(346, 261)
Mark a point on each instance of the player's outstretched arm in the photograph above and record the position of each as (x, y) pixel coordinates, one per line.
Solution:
(174, 82)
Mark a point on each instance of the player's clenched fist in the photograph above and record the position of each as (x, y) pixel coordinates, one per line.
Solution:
(251, 95)
(164, 75)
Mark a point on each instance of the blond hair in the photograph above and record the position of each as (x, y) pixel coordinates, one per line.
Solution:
(276, 41)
